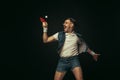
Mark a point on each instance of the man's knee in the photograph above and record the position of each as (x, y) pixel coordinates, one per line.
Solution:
(80, 78)
(57, 78)
(59, 75)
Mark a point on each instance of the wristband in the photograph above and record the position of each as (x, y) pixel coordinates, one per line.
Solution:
(92, 52)
(45, 29)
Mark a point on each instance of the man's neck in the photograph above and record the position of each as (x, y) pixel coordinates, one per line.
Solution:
(70, 32)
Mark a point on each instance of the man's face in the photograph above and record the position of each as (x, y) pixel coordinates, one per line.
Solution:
(68, 26)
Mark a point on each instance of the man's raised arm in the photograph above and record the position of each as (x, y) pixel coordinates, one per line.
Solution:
(46, 39)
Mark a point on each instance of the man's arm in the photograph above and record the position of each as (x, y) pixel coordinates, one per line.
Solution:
(46, 39)
(90, 51)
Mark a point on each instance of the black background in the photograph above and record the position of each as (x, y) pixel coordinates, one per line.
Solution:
(25, 57)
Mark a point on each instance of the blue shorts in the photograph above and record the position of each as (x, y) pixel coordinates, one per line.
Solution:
(65, 64)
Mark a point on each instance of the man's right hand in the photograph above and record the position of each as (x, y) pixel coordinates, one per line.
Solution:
(44, 24)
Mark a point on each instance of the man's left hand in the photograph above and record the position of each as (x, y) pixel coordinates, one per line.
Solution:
(95, 56)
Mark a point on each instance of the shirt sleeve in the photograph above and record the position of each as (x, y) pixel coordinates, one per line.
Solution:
(82, 46)
(55, 36)
(79, 42)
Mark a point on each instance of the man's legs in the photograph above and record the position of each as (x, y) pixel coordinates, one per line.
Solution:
(77, 71)
(59, 75)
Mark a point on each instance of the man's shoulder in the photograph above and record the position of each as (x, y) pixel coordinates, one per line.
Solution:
(78, 34)
(61, 35)
(61, 32)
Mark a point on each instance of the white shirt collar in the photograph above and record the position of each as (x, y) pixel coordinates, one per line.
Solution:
(73, 33)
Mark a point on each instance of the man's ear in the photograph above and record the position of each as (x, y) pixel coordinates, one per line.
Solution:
(71, 24)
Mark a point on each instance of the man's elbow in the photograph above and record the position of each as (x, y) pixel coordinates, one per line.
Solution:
(45, 41)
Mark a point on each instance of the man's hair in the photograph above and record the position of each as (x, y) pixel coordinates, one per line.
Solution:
(72, 20)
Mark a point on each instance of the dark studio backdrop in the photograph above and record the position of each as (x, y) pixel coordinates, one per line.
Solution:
(25, 57)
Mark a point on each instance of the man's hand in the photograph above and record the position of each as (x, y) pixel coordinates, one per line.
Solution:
(95, 56)
(44, 24)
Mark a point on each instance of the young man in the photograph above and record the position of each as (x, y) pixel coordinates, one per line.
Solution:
(70, 45)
